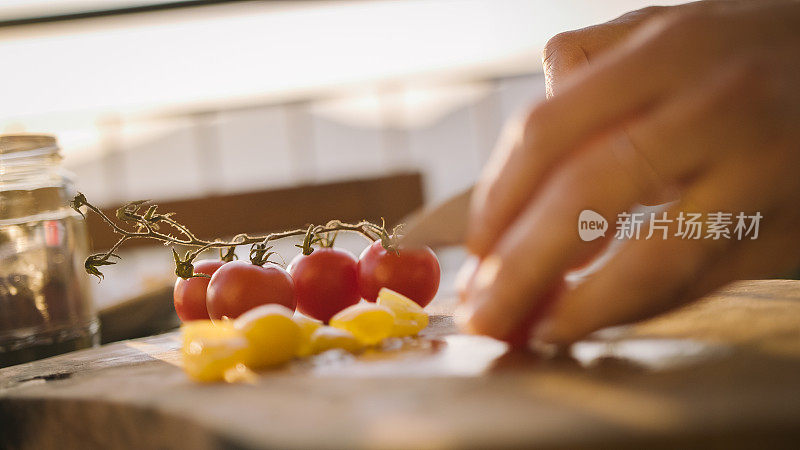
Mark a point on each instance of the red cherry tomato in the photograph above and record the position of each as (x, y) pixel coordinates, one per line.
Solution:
(240, 286)
(326, 282)
(190, 295)
(413, 272)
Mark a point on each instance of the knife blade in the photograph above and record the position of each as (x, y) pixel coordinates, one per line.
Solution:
(444, 224)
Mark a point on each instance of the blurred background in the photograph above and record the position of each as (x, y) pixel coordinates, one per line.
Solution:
(258, 116)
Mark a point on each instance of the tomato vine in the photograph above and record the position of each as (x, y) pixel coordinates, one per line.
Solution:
(141, 220)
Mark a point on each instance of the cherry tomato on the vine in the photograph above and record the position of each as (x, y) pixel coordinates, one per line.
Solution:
(190, 295)
(326, 282)
(413, 272)
(240, 286)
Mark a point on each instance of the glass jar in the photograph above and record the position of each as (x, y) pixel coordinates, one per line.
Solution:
(45, 307)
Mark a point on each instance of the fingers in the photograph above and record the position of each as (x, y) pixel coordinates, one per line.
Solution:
(675, 142)
(644, 278)
(714, 141)
(648, 277)
(618, 88)
(665, 54)
(566, 53)
(543, 242)
(563, 54)
(749, 175)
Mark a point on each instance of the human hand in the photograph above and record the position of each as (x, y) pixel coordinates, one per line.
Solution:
(702, 100)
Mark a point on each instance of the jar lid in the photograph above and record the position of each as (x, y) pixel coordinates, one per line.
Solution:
(21, 142)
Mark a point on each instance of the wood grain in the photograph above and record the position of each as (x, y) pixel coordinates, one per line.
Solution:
(722, 373)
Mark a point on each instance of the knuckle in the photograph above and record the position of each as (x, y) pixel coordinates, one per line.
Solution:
(559, 43)
(559, 40)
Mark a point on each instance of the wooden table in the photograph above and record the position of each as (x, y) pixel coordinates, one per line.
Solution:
(724, 372)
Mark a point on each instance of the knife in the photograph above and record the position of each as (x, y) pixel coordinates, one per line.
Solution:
(441, 225)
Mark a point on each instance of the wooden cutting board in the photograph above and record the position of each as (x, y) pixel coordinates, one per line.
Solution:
(724, 372)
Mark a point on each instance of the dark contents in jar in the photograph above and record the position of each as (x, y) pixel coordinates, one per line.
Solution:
(44, 308)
